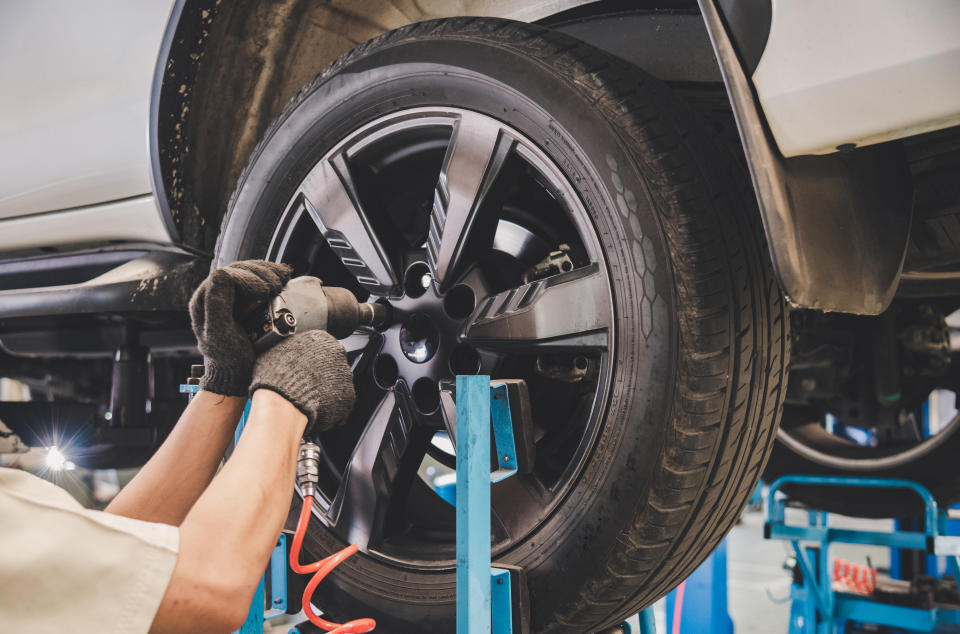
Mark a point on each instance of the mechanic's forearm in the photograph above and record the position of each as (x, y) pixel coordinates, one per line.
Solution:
(170, 483)
(227, 538)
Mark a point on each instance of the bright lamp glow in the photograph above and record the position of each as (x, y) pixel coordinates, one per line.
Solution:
(57, 461)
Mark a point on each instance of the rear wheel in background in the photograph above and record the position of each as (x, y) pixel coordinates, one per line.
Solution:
(873, 397)
(532, 208)
(806, 446)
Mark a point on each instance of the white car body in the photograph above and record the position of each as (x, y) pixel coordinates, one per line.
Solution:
(859, 72)
(74, 154)
(75, 106)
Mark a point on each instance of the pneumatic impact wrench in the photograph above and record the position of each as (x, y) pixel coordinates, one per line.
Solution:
(306, 304)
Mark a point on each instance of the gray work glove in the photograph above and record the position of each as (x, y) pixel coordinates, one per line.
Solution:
(228, 354)
(311, 371)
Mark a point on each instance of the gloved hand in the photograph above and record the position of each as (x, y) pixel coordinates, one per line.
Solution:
(310, 370)
(228, 354)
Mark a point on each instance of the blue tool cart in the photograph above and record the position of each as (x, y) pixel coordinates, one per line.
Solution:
(817, 608)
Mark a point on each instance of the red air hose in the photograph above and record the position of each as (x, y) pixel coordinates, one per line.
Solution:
(322, 568)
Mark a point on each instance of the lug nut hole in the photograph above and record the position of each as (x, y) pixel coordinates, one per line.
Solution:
(417, 279)
(459, 302)
(419, 338)
(385, 371)
(426, 395)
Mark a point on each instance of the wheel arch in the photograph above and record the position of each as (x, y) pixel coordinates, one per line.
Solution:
(255, 56)
(837, 224)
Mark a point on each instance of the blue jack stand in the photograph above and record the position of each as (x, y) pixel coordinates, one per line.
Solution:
(486, 601)
(817, 608)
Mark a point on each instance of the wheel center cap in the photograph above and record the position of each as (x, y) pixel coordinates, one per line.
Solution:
(419, 338)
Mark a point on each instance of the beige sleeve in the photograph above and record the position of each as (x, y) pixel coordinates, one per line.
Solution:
(64, 568)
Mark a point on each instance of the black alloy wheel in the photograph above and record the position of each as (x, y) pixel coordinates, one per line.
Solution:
(533, 302)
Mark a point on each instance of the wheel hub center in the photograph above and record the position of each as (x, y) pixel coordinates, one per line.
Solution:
(419, 338)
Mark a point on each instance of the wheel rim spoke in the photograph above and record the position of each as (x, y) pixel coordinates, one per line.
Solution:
(448, 412)
(331, 200)
(386, 450)
(359, 345)
(477, 152)
(567, 310)
(445, 417)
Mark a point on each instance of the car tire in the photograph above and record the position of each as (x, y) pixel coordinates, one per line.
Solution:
(698, 339)
(804, 447)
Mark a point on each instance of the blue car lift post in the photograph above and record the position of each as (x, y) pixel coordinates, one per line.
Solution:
(816, 607)
(485, 595)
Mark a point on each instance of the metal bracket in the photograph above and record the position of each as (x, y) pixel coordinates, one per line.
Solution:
(502, 433)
